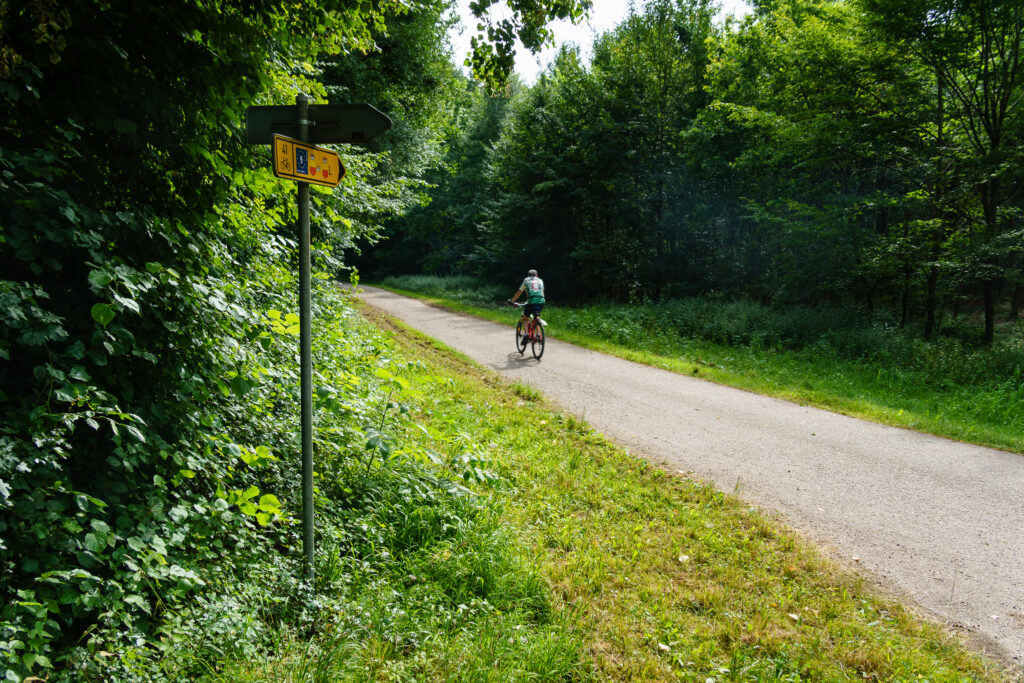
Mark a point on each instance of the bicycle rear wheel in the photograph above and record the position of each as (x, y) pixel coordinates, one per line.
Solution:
(538, 341)
(520, 337)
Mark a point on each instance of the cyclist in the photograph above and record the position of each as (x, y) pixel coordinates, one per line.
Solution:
(533, 287)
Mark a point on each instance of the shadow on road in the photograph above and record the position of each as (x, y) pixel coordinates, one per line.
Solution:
(514, 361)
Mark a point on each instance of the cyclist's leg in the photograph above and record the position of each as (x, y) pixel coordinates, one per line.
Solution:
(528, 316)
(535, 310)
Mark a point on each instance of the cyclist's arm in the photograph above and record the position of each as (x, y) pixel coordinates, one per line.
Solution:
(518, 292)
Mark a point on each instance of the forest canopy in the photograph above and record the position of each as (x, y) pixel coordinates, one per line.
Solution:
(846, 152)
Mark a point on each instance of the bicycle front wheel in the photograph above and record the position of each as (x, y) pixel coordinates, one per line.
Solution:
(520, 337)
(538, 341)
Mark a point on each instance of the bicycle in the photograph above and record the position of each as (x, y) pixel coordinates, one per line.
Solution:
(532, 333)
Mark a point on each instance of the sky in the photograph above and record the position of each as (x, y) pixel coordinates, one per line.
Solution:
(605, 15)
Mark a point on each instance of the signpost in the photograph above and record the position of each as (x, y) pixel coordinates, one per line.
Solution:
(289, 129)
(294, 160)
(328, 123)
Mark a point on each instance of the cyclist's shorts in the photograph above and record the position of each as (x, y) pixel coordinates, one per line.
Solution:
(533, 309)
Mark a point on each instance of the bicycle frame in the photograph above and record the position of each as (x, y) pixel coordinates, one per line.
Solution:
(531, 325)
(532, 320)
(530, 331)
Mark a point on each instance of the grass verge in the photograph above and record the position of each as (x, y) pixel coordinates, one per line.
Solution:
(574, 561)
(661, 577)
(881, 392)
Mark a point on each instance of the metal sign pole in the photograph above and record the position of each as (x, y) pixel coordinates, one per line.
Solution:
(293, 159)
(305, 351)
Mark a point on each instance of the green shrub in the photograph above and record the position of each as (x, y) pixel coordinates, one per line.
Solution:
(147, 356)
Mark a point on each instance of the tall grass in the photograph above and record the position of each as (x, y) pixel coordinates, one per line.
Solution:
(896, 365)
(462, 288)
(643, 575)
(828, 333)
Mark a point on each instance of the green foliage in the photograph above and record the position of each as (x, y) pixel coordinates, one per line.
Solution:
(816, 152)
(973, 53)
(463, 288)
(147, 382)
(494, 46)
(440, 235)
(148, 331)
(836, 332)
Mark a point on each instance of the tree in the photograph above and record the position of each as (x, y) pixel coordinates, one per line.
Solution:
(493, 54)
(974, 48)
(439, 235)
(587, 173)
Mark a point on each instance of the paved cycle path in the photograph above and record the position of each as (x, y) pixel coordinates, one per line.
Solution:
(938, 521)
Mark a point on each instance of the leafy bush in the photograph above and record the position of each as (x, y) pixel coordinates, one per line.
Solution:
(842, 333)
(148, 489)
(147, 380)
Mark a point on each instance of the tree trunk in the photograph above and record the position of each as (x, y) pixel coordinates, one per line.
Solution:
(929, 303)
(990, 312)
(905, 304)
(940, 190)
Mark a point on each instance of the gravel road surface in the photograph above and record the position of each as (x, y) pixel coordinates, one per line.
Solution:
(939, 522)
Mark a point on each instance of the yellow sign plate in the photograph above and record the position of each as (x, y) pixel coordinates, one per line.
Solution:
(296, 160)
